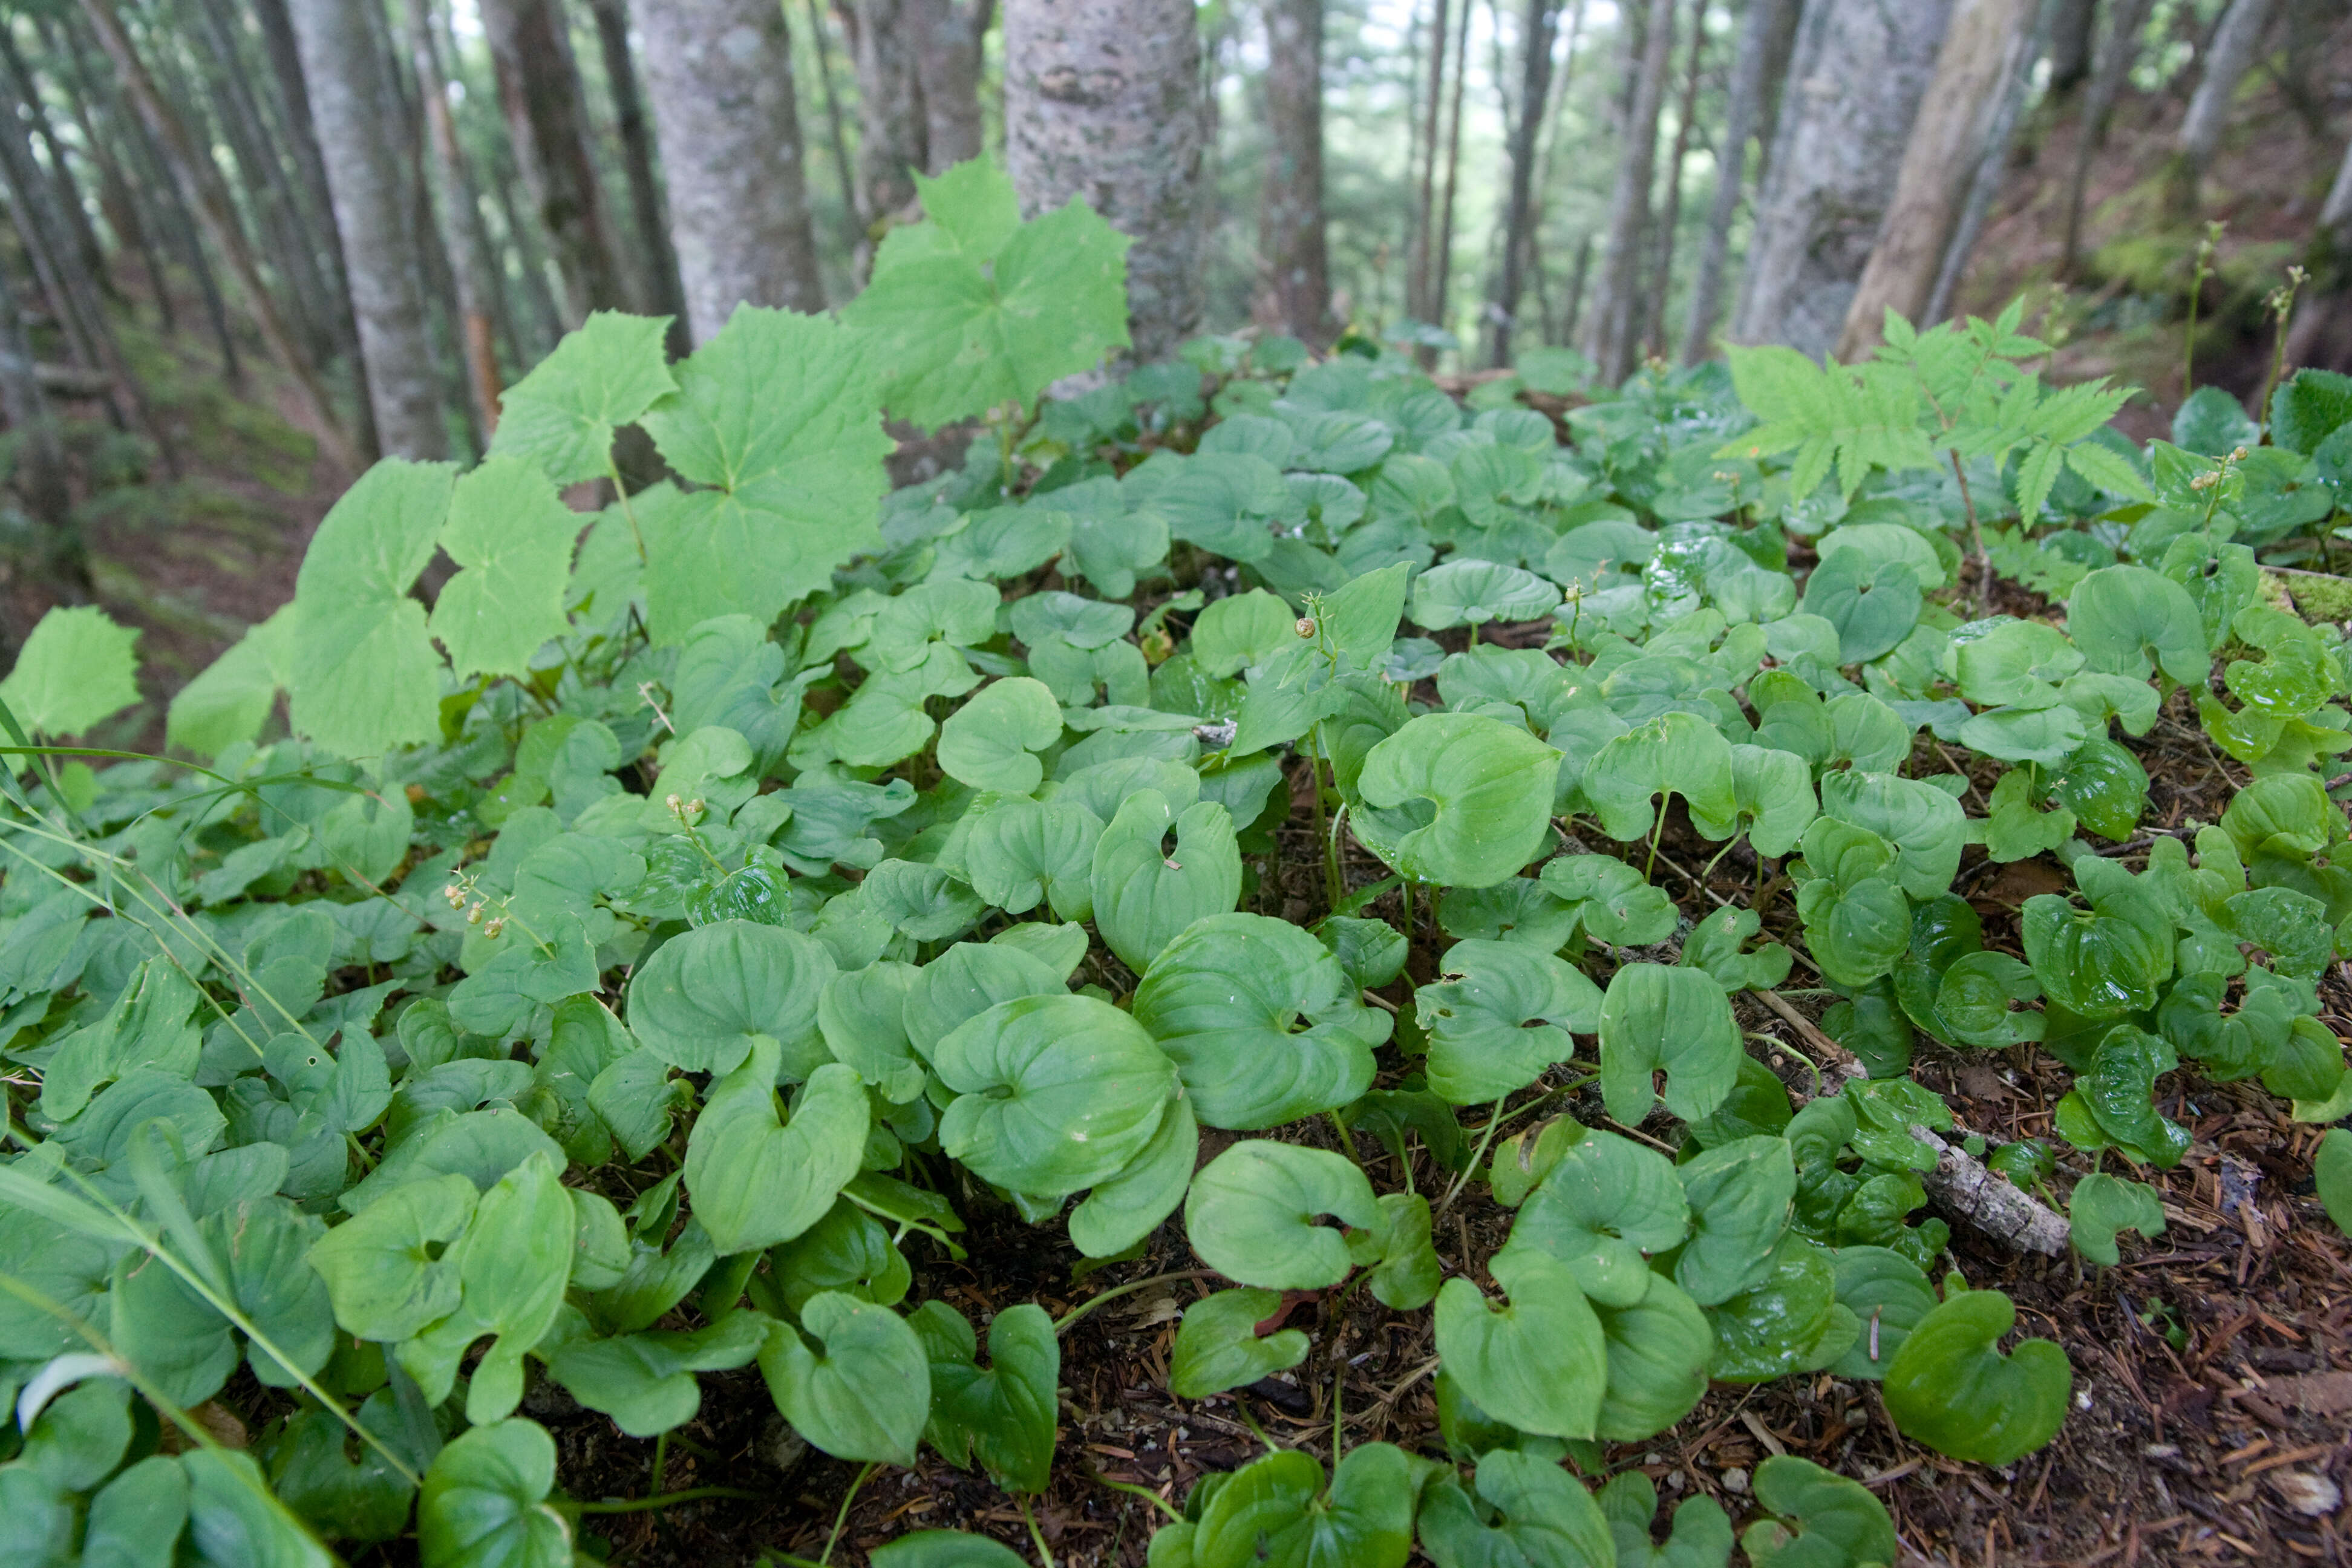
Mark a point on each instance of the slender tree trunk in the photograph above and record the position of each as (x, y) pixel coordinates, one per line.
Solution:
(2236, 43)
(58, 559)
(1612, 336)
(665, 295)
(2074, 25)
(894, 132)
(1102, 101)
(295, 238)
(179, 223)
(1661, 270)
(2127, 19)
(2329, 259)
(1442, 284)
(36, 210)
(1861, 69)
(458, 222)
(528, 239)
(947, 34)
(1992, 163)
(546, 120)
(1576, 279)
(719, 73)
(200, 185)
(842, 168)
(120, 198)
(1298, 296)
(1421, 263)
(1765, 36)
(1539, 30)
(89, 253)
(1955, 124)
(372, 212)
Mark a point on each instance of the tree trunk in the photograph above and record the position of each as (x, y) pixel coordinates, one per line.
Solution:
(1662, 269)
(947, 36)
(88, 252)
(1861, 70)
(719, 75)
(1102, 101)
(664, 295)
(842, 167)
(1421, 261)
(1576, 279)
(1611, 337)
(120, 198)
(294, 235)
(2236, 42)
(1298, 296)
(349, 110)
(1441, 283)
(1992, 163)
(2121, 48)
(894, 140)
(472, 266)
(1765, 36)
(547, 121)
(1956, 123)
(200, 185)
(179, 224)
(2328, 259)
(1537, 32)
(2073, 25)
(58, 560)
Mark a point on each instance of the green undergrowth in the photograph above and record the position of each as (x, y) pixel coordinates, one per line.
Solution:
(647, 961)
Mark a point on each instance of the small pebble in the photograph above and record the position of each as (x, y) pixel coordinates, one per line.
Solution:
(1734, 1480)
(2307, 1492)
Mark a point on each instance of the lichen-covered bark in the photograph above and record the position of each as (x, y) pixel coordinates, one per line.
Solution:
(1956, 120)
(1102, 102)
(1765, 36)
(1615, 328)
(349, 110)
(1860, 70)
(947, 34)
(894, 135)
(719, 75)
(1297, 294)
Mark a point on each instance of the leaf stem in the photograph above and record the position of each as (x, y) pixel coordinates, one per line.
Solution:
(1037, 1536)
(666, 1500)
(841, 1516)
(1494, 1121)
(1146, 1493)
(1063, 1324)
(1976, 535)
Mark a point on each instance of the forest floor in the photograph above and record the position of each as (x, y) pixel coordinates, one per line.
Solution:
(2121, 313)
(2213, 1418)
(2213, 1368)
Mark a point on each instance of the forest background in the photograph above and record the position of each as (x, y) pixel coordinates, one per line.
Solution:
(205, 343)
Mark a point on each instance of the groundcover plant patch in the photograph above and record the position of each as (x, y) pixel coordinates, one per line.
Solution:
(649, 960)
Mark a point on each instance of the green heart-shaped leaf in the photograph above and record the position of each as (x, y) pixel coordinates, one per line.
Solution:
(865, 1394)
(1252, 1211)
(1053, 1093)
(1657, 1018)
(1538, 1363)
(1218, 1345)
(1950, 1388)
(1458, 799)
(1262, 1022)
(758, 1178)
(1501, 1018)
(1002, 1419)
(1605, 1208)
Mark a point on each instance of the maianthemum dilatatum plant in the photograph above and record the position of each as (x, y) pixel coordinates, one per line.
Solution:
(836, 858)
